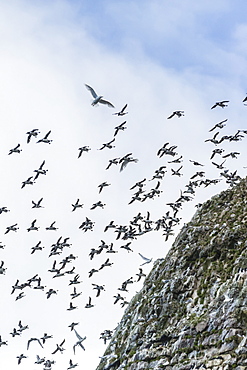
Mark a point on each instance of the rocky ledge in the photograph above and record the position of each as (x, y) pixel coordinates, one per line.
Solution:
(192, 310)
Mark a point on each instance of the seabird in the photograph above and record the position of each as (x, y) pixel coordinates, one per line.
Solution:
(76, 205)
(39, 360)
(40, 171)
(147, 260)
(15, 150)
(98, 98)
(108, 145)
(72, 325)
(112, 161)
(59, 348)
(102, 185)
(21, 358)
(127, 159)
(45, 337)
(221, 104)
(122, 111)
(31, 133)
(99, 288)
(83, 149)
(218, 125)
(178, 113)
(33, 339)
(79, 342)
(71, 365)
(37, 204)
(89, 304)
(11, 228)
(140, 274)
(52, 227)
(120, 127)
(71, 307)
(33, 227)
(45, 139)
(29, 181)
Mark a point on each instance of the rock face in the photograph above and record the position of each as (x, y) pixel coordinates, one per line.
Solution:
(192, 310)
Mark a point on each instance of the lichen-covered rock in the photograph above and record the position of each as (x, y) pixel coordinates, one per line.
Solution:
(192, 310)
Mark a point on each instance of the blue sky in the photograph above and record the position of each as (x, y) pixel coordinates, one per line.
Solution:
(157, 57)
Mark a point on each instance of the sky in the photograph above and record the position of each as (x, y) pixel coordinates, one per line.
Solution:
(156, 57)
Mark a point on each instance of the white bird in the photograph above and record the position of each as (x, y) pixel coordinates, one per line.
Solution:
(147, 260)
(79, 342)
(98, 98)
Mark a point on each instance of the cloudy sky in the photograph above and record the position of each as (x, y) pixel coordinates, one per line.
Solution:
(157, 57)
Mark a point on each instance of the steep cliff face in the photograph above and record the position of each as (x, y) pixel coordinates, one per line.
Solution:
(192, 310)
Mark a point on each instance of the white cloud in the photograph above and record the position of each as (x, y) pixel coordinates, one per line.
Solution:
(49, 52)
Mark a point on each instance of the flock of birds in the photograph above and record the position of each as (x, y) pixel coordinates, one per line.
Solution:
(126, 234)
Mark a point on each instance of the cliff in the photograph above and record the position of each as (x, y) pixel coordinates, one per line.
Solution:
(192, 310)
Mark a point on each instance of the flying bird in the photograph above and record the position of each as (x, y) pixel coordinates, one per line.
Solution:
(71, 365)
(147, 260)
(59, 348)
(15, 149)
(20, 358)
(45, 139)
(89, 304)
(221, 104)
(140, 274)
(40, 171)
(33, 227)
(34, 339)
(178, 113)
(98, 98)
(29, 181)
(37, 204)
(102, 185)
(125, 160)
(120, 127)
(218, 125)
(122, 111)
(76, 205)
(112, 161)
(195, 163)
(79, 342)
(83, 149)
(108, 145)
(31, 133)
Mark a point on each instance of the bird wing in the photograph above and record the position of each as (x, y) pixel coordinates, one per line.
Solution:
(213, 128)
(48, 133)
(33, 223)
(124, 108)
(42, 164)
(40, 343)
(145, 258)
(91, 91)
(53, 353)
(78, 335)
(102, 101)
(173, 114)
(81, 345)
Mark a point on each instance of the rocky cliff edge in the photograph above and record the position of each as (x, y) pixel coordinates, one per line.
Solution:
(192, 310)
